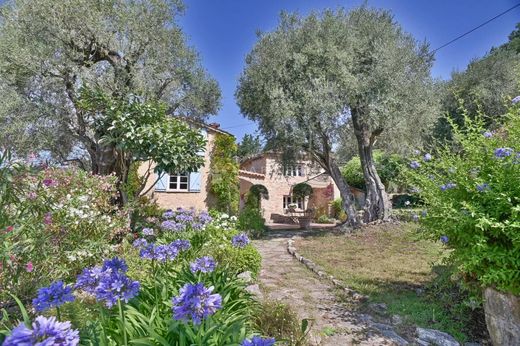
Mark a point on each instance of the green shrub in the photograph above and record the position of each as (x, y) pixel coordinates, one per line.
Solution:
(251, 221)
(237, 260)
(324, 219)
(471, 193)
(337, 210)
(388, 168)
(278, 320)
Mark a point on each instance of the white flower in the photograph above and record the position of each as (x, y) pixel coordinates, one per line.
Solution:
(407, 203)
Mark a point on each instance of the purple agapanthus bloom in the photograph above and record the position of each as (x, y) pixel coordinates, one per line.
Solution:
(258, 341)
(415, 164)
(114, 265)
(427, 157)
(516, 100)
(488, 134)
(46, 331)
(116, 286)
(483, 187)
(89, 279)
(168, 214)
(444, 239)
(182, 244)
(53, 296)
(160, 253)
(204, 264)
(240, 240)
(140, 243)
(204, 217)
(195, 303)
(415, 217)
(170, 225)
(503, 152)
(448, 186)
(148, 231)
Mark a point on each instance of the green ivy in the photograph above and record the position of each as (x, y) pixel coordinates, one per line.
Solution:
(224, 181)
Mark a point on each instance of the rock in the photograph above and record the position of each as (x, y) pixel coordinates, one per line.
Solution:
(379, 308)
(422, 342)
(389, 332)
(436, 337)
(397, 320)
(419, 291)
(502, 317)
(246, 277)
(255, 290)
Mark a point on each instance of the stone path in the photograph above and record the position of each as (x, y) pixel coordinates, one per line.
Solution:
(283, 278)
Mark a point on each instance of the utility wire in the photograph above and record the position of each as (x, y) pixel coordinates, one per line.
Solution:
(475, 28)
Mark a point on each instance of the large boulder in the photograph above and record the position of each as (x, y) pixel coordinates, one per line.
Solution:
(502, 317)
(435, 337)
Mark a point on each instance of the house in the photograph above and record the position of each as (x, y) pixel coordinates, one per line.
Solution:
(266, 169)
(172, 190)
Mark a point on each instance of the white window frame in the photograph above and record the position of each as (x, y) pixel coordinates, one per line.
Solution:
(178, 182)
(299, 201)
(294, 170)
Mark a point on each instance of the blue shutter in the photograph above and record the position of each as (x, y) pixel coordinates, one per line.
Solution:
(163, 182)
(195, 180)
(204, 134)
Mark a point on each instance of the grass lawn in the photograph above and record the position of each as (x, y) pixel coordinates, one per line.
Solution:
(389, 264)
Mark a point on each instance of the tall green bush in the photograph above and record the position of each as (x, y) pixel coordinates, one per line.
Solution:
(224, 174)
(471, 195)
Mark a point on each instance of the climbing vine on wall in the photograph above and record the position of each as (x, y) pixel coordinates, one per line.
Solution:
(224, 174)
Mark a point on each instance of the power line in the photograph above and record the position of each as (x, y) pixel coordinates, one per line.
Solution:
(235, 126)
(475, 28)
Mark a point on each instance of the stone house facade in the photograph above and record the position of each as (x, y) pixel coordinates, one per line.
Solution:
(266, 169)
(172, 190)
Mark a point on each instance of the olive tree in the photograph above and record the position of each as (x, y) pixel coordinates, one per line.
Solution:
(312, 78)
(50, 49)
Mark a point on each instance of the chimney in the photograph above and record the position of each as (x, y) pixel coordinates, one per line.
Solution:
(214, 125)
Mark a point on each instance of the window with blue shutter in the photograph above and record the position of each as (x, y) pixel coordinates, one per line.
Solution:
(163, 181)
(195, 181)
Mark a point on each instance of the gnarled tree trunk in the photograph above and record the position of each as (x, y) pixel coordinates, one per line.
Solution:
(346, 195)
(377, 205)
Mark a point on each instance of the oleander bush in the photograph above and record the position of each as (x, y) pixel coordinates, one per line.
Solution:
(471, 194)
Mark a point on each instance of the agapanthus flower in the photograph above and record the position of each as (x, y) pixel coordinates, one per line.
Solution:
(140, 243)
(53, 296)
(415, 164)
(483, 187)
(515, 100)
(488, 134)
(448, 186)
(415, 217)
(46, 331)
(89, 279)
(116, 286)
(160, 252)
(444, 239)
(204, 264)
(240, 240)
(195, 303)
(148, 231)
(204, 217)
(168, 214)
(115, 265)
(427, 157)
(170, 225)
(182, 244)
(503, 152)
(258, 341)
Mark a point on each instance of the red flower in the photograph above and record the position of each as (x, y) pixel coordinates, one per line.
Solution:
(9, 229)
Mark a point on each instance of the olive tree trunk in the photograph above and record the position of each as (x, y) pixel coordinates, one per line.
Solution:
(347, 198)
(377, 204)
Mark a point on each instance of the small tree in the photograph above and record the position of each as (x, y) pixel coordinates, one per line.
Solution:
(224, 174)
(302, 190)
(255, 195)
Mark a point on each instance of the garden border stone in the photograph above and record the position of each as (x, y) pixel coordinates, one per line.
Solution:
(318, 270)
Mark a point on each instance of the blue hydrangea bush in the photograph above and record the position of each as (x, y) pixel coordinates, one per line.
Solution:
(470, 191)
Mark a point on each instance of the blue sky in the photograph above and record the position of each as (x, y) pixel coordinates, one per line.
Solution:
(224, 31)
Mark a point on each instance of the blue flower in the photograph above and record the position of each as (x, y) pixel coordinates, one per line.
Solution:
(444, 239)
(415, 217)
(483, 187)
(147, 231)
(45, 332)
(168, 214)
(258, 341)
(204, 217)
(488, 134)
(140, 243)
(503, 152)
(415, 164)
(55, 295)
(195, 303)
(240, 240)
(204, 264)
(181, 244)
(170, 225)
(116, 286)
(114, 265)
(89, 279)
(427, 157)
(448, 186)
(516, 100)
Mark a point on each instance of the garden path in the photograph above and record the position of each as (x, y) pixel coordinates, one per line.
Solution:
(283, 278)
